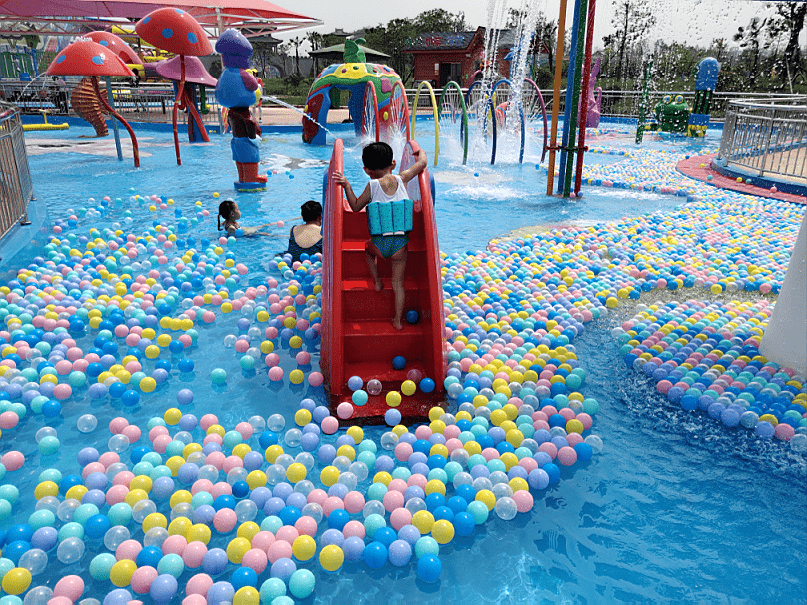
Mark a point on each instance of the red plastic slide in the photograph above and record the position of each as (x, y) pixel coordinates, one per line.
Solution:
(357, 335)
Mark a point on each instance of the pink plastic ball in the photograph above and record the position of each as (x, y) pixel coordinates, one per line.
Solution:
(194, 599)
(305, 526)
(315, 379)
(194, 554)
(344, 410)
(279, 550)
(116, 425)
(208, 317)
(317, 496)
(216, 459)
(207, 421)
(142, 579)
(264, 539)
(784, 431)
(256, 560)
(244, 429)
(174, 545)
(60, 601)
(303, 358)
(8, 420)
(12, 460)
(116, 494)
(329, 425)
(549, 448)
(331, 504)
(108, 458)
(276, 374)
(62, 391)
(221, 489)
(524, 501)
(403, 451)
(354, 528)
(567, 456)
(128, 549)
(224, 520)
(199, 584)
(354, 502)
(241, 346)
(132, 433)
(71, 587)
(585, 419)
(417, 479)
(399, 518)
(393, 500)
(287, 533)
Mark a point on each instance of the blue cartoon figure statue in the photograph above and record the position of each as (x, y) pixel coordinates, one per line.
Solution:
(236, 91)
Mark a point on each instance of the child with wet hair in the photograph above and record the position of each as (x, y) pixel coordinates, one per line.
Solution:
(307, 238)
(230, 212)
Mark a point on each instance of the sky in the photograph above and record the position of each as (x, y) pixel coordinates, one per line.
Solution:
(695, 22)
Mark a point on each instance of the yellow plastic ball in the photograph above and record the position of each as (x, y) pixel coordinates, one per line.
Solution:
(443, 531)
(215, 194)
(329, 476)
(511, 411)
(302, 417)
(423, 520)
(174, 463)
(172, 416)
(304, 547)
(509, 459)
(393, 399)
(486, 497)
(611, 302)
(346, 451)
(408, 388)
(574, 426)
(148, 384)
(241, 450)
(181, 496)
(356, 433)
(133, 497)
(46, 488)
(272, 453)
(248, 530)
(16, 581)
(121, 573)
(435, 486)
(198, 533)
(154, 520)
(247, 595)
(295, 342)
(331, 557)
(382, 477)
(143, 482)
(439, 449)
(267, 346)
(296, 472)
(514, 437)
(256, 479)
(236, 549)
(436, 413)
(164, 340)
(152, 351)
(179, 526)
(497, 417)
(517, 484)
(296, 377)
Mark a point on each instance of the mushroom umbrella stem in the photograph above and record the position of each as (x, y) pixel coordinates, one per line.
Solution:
(194, 115)
(116, 115)
(177, 103)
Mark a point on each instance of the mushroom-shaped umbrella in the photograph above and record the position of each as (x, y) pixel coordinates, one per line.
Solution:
(117, 45)
(87, 58)
(195, 73)
(174, 30)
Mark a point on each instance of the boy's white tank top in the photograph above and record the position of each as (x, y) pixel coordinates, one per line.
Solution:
(377, 193)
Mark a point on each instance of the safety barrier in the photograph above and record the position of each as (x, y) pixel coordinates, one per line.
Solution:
(16, 189)
(768, 138)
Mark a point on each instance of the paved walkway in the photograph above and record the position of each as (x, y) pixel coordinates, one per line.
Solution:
(700, 167)
(272, 115)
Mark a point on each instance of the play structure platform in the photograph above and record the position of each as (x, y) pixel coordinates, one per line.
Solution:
(358, 338)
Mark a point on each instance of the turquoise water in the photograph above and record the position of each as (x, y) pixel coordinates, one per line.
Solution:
(674, 509)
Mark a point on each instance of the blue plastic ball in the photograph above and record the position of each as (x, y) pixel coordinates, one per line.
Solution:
(399, 363)
(429, 568)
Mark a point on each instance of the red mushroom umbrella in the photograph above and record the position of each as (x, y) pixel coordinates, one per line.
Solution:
(87, 58)
(175, 31)
(117, 46)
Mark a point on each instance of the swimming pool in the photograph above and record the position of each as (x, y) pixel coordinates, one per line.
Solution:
(675, 507)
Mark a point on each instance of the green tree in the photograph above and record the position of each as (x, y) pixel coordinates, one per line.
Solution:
(440, 20)
(750, 40)
(315, 39)
(545, 36)
(789, 22)
(632, 21)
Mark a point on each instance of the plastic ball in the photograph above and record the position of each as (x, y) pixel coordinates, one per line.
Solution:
(302, 583)
(331, 558)
(429, 568)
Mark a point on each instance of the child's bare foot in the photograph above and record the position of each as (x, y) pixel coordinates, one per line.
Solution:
(397, 324)
(379, 285)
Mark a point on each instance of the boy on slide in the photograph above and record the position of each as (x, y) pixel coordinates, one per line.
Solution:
(384, 187)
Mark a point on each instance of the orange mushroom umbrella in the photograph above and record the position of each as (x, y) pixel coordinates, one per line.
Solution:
(174, 30)
(117, 45)
(89, 59)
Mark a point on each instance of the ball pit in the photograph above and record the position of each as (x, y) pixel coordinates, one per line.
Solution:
(513, 312)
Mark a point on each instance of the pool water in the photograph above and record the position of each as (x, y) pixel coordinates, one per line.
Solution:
(675, 508)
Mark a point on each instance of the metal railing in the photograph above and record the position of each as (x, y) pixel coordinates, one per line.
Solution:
(16, 189)
(146, 102)
(767, 137)
(625, 103)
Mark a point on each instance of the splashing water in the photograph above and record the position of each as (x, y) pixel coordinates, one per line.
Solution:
(298, 110)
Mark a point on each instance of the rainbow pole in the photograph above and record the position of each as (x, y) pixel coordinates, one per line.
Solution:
(581, 142)
(572, 85)
(550, 177)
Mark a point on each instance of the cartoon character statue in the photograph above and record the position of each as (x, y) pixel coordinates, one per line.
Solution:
(672, 114)
(594, 97)
(236, 91)
(705, 84)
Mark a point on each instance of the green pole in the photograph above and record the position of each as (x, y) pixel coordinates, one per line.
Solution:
(581, 39)
(643, 105)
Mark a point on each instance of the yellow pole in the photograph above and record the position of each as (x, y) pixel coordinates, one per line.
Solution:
(428, 86)
(550, 177)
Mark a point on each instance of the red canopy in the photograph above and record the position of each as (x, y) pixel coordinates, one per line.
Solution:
(259, 16)
(87, 58)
